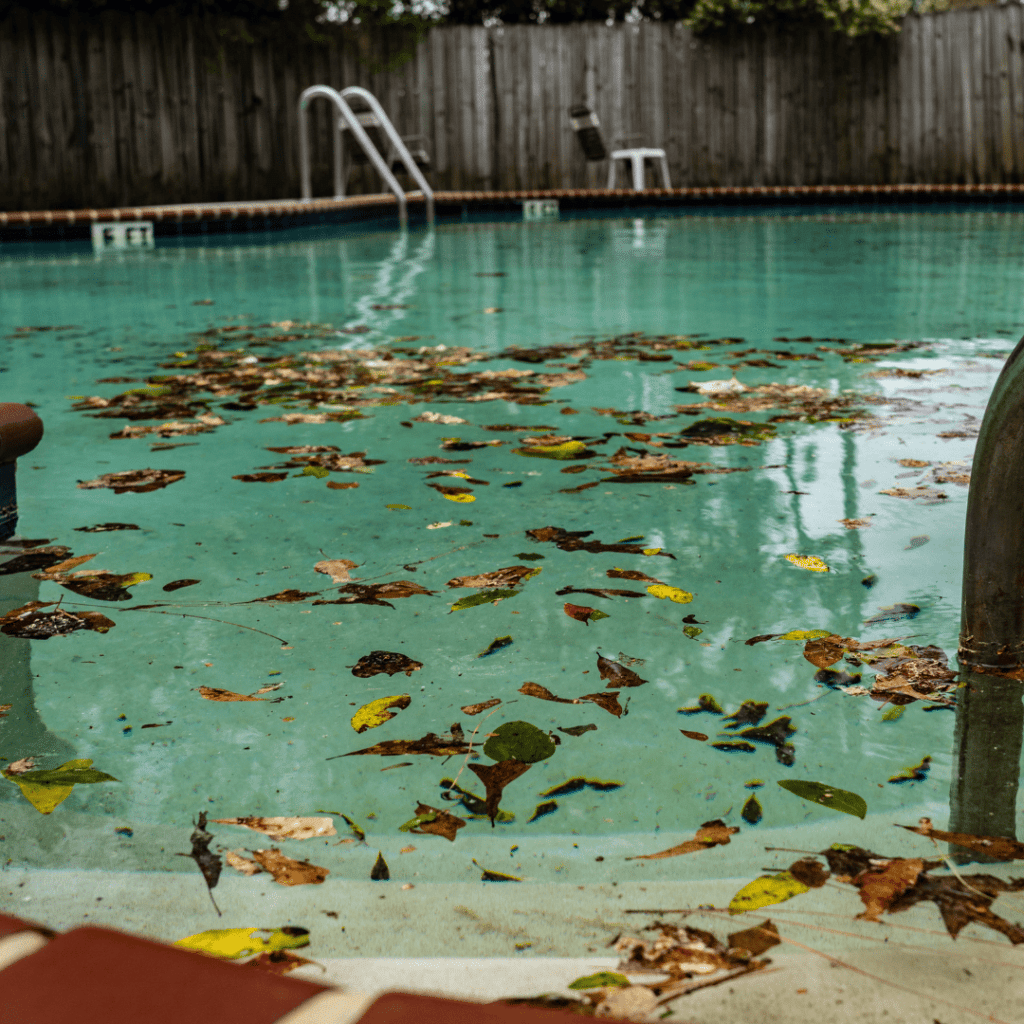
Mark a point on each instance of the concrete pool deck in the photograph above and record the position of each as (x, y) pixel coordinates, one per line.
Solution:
(230, 216)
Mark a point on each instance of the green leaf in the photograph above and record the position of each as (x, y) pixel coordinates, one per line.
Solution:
(47, 790)
(420, 819)
(596, 614)
(519, 741)
(603, 979)
(765, 891)
(827, 796)
(805, 634)
(66, 776)
(484, 597)
(692, 631)
(318, 471)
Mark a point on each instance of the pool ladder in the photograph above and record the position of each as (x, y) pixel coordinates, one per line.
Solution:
(348, 120)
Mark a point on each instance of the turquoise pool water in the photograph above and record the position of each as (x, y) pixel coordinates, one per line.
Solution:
(733, 291)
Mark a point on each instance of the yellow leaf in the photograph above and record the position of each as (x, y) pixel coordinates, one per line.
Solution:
(45, 796)
(810, 562)
(766, 890)
(377, 712)
(652, 551)
(134, 577)
(564, 451)
(662, 590)
(458, 472)
(805, 634)
(460, 497)
(232, 943)
(395, 508)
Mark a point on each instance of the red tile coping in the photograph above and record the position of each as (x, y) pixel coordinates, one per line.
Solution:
(98, 976)
(408, 1008)
(14, 926)
(295, 207)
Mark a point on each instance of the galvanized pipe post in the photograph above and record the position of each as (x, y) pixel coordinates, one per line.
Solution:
(20, 431)
(990, 714)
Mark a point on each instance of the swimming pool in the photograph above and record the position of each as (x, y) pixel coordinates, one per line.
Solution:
(425, 409)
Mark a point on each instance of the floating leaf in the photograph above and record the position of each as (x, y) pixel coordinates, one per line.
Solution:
(995, 847)
(28, 623)
(512, 576)
(828, 796)
(285, 828)
(711, 833)
(581, 613)
(336, 568)
(377, 712)
(765, 891)
(616, 674)
(47, 790)
(662, 590)
(212, 693)
(739, 746)
(376, 662)
(178, 584)
(893, 713)
(580, 783)
(804, 634)
(234, 943)
(914, 773)
(577, 730)
(431, 821)
(136, 481)
(566, 450)
(484, 597)
(631, 574)
(439, 746)
(543, 810)
(752, 812)
(260, 478)
(750, 712)
(398, 508)
(520, 741)
(286, 871)
(495, 876)
(476, 709)
(701, 736)
(603, 979)
(811, 562)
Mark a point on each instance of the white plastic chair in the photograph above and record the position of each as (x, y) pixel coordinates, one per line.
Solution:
(588, 131)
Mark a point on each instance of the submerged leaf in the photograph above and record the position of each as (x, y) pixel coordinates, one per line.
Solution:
(136, 481)
(497, 644)
(662, 590)
(376, 662)
(431, 821)
(234, 943)
(616, 674)
(285, 828)
(484, 597)
(581, 613)
(476, 709)
(810, 562)
(711, 833)
(603, 979)
(511, 576)
(766, 891)
(377, 712)
(827, 796)
(519, 741)
(994, 847)
(287, 871)
(496, 777)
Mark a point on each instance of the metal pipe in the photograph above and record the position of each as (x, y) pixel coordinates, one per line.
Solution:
(326, 92)
(990, 715)
(396, 140)
(20, 431)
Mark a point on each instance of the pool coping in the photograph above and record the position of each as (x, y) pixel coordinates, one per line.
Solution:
(191, 218)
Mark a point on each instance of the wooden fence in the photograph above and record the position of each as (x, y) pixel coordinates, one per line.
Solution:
(127, 109)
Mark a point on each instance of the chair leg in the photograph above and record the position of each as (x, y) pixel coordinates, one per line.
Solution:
(611, 173)
(664, 172)
(638, 172)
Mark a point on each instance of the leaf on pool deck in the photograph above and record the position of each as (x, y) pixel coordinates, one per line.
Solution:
(375, 593)
(135, 481)
(208, 863)
(511, 576)
(241, 864)
(484, 597)
(578, 784)
(235, 943)
(495, 876)
(914, 773)
(47, 790)
(566, 540)
(287, 871)
(376, 662)
(476, 709)
(674, 594)
(178, 584)
(31, 560)
(430, 821)
(711, 833)
(581, 613)
(599, 592)
(212, 693)
(996, 847)
(261, 478)
(810, 562)
(28, 623)
(705, 703)
(496, 777)
(336, 568)
(285, 596)
(766, 891)
(439, 746)
(380, 872)
(377, 712)
(616, 674)
(701, 736)
(752, 811)
(105, 527)
(603, 979)
(631, 574)
(828, 796)
(497, 644)
(750, 712)
(281, 828)
(100, 586)
(893, 613)
(577, 730)
(880, 889)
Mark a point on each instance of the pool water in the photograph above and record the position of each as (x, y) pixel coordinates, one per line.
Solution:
(909, 315)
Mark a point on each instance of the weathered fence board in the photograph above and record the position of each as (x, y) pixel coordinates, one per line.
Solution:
(140, 108)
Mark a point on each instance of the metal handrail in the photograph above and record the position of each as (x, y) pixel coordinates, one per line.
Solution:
(397, 143)
(326, 92)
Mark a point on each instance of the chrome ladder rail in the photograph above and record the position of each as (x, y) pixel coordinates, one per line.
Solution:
(349, 120)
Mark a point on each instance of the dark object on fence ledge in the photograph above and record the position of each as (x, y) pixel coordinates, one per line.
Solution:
(587, 129)
(20, 431)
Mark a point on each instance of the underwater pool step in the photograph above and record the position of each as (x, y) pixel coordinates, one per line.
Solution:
(100, 976)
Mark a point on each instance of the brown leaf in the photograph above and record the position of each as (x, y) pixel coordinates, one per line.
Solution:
(285, 828)
(279, 961)
(809, 872)
(439, 746)
(878, 889)
(580, 612)
(286, 596)
(28, 623)
(375, 593)
(495, 778)
(445, 824)
(260, 478)
(33, 559)
(377, 662)
(962, 900)
(996, 847)
(136, 481)
(536, 690)
(210, 693)
(600, 592)
(178, 584)
(336, 568)
(631, 574)
(476, 709)
(335, 486)
(616, 674)
(508, 577)
(756, 940)
(606, 700)
(711, 833)
(750, 712)
(566, 540)
(286, 871)
(242, 864)
(66, 566)
(694, 735)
